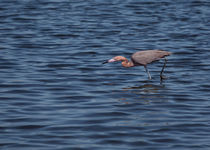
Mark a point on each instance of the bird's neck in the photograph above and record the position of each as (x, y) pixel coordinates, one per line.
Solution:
(126, 63)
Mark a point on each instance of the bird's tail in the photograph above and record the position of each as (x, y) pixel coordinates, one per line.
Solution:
(166, 53)
(169, 53)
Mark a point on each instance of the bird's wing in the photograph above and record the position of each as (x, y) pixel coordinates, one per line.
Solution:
(148, 56)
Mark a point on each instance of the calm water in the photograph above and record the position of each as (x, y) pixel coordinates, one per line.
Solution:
(56, 94)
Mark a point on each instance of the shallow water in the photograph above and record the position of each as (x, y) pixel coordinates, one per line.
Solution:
(56, 94)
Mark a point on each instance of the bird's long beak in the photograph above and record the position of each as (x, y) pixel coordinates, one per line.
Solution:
(108, 61)
(105, 62)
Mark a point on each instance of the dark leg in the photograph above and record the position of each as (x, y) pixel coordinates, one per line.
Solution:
(161, 73)
(149, 76)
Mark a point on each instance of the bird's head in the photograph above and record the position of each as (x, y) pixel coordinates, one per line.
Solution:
(116, 58)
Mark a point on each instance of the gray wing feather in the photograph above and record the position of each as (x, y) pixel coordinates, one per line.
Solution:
(148, 56)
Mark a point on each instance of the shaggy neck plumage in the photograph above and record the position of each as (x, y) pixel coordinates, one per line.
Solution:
(126, 63)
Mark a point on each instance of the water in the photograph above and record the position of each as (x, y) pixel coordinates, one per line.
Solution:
(56, 94)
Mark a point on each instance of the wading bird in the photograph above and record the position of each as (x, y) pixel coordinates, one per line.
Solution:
(142, 58)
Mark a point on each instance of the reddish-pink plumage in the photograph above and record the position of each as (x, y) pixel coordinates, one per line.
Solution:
(142, 58)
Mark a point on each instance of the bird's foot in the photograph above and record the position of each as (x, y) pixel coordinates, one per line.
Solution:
(163, 77)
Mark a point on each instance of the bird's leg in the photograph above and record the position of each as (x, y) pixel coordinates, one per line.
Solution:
(147, 72)
(161, 73)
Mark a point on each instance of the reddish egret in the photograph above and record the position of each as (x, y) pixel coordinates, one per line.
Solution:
(142, 58)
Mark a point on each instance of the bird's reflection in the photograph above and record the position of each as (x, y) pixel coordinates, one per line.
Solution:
(146, 88)
(146, 93)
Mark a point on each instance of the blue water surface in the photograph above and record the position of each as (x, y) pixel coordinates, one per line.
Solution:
(56, 94)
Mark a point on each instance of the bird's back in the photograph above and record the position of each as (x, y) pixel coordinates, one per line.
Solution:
(148, 56)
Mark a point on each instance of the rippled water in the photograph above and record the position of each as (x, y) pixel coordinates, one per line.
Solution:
(56, 94)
